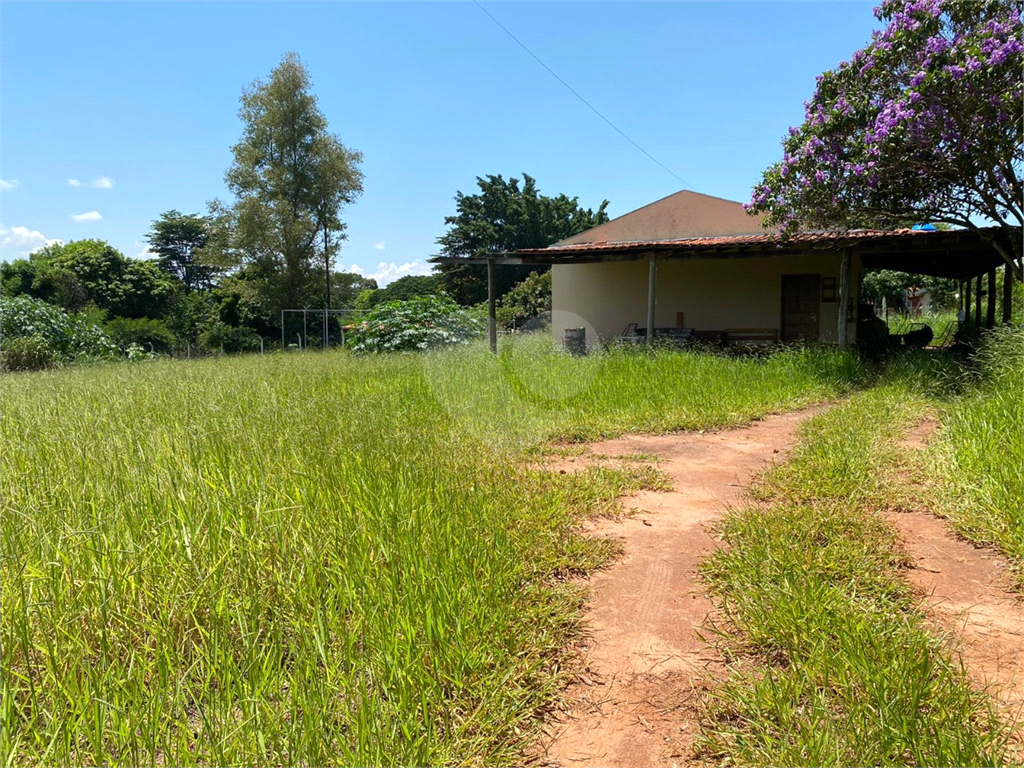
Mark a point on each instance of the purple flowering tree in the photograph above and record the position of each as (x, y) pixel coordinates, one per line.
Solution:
(924, 124)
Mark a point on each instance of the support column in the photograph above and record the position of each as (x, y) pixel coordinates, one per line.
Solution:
(1008, 279)
(967, 301)
(842, 336)
(990, 317)
(652, 291)
(977, 302)
(492, 319)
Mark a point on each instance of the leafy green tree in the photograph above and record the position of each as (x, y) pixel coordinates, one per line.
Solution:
(403, 289)
(890, 285)
(503, 217)
(178, 240)
(346, 287)
(526, 301)
(926, 123)
(17, 277)
(83, 272)
(191, 314)
(290, 177)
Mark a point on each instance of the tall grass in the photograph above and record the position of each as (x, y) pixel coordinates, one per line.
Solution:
(978, 455)
(317, 558)
(841, 669)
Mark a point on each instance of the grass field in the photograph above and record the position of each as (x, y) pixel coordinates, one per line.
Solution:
(316, 558)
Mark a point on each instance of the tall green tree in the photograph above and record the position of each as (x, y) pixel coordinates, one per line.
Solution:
(83, 272)
(178, 240)
(290, 178)
(503, 217)
(925, 123)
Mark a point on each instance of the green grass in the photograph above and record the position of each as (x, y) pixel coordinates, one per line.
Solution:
(978, 455)
(838, 667)
(316, 558)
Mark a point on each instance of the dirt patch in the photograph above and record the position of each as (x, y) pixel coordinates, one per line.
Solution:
(965, 588)
(917, 437)
(644, 659)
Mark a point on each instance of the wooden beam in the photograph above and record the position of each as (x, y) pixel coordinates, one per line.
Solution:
(990, 317)
(844, 299)
(652, 289)
(1008, 279)
(492, 301)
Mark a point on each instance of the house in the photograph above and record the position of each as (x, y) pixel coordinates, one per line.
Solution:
(697, 262)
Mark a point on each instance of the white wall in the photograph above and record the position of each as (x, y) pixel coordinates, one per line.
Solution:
(713, 294)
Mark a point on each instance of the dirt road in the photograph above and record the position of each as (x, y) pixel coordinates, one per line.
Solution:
(644, 656)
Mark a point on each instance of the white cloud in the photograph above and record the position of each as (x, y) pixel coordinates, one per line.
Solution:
(102, 182)
(389, 271)
(145, 253)
(90, 216)
(381, 245)
(4, 184)
(17, 242)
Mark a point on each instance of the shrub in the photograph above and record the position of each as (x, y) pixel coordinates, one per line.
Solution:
(65, 336)
(142, 332)
(525, 301)
(227, 338)
(422, 322)
(28, 353)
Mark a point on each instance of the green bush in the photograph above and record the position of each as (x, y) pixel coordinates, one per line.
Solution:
(527, 300)
(229, 339)
(422, 322)
(142, 332)
(65, 336)
(28, 353)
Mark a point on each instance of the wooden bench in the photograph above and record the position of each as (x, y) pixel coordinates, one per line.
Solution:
(751, 335)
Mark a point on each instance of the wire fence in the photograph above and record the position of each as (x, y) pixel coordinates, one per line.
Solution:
(318, 328)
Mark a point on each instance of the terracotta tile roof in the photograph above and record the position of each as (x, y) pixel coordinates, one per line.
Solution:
(727, 241)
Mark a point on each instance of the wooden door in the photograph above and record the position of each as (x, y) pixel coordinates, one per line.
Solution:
(801, 305)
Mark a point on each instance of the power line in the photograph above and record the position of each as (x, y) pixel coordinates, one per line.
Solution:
(577, 95)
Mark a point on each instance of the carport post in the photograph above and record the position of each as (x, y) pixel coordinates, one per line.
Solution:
(652, 289)
(967, 301)
(492, 320)
(842, 336)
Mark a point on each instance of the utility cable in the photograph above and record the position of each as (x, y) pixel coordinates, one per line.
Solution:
(577, 95)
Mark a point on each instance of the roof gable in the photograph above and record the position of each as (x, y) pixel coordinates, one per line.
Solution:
(679, 216)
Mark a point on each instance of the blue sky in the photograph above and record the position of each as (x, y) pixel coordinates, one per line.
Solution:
(137, 103)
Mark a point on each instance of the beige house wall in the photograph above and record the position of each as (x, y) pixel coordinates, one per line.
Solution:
(713, 294)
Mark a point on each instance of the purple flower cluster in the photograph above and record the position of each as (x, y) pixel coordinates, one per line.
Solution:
(936, 96)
